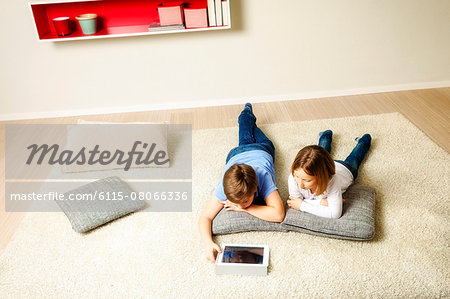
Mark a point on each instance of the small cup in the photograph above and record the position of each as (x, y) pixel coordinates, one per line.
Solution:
(88, 23)
(62, 26)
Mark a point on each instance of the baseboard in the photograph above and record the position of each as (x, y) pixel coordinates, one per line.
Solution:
(224, 102)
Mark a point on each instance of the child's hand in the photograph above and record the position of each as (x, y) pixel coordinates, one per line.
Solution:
(324, 202)
(211, 251)
(294, 202)
(229, 206)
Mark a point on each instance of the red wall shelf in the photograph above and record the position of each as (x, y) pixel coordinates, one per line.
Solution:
(116, 18)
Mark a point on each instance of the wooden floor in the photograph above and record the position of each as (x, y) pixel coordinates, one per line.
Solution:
(428, 109)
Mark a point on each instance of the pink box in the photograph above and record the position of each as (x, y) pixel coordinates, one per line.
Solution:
(196, 17)
(171, 14)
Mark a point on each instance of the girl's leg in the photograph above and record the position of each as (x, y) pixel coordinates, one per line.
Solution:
(325, 138)
(247, 123)
(358, 153)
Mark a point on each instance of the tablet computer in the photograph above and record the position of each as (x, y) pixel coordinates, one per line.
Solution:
(243, 259)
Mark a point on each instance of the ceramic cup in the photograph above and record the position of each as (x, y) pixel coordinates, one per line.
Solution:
(62, 26)
(88, 23)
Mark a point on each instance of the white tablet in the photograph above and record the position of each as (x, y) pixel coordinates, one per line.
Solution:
(243, 259)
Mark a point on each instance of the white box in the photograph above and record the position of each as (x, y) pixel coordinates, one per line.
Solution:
(243, 259)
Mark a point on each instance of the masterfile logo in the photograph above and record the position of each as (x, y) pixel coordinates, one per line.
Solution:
(75, 164)
(52, 155)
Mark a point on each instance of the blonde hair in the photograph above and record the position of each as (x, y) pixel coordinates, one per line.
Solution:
(239, 182)
(317, 162)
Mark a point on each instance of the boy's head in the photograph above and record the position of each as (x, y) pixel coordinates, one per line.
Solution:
(313, 168)
(240, 184)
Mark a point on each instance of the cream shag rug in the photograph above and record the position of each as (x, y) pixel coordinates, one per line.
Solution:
(160, 255)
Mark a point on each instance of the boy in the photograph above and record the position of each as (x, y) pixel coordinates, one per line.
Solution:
(249, 177)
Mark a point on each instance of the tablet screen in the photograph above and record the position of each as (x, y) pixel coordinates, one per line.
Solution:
(243, 255)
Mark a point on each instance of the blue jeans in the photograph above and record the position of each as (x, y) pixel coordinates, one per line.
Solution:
(250, 136)
(353, 161)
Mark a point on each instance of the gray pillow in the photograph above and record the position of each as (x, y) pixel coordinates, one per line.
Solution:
(85, 215)
(227, 222)
(357, 221)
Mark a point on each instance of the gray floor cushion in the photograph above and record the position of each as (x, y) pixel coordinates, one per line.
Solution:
(88, 214)
(357, 221)
(227, 222)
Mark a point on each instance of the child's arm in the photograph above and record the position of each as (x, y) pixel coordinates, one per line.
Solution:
(273, 211)
(295, 196)
(213, 207)
(294, 190)
(333, 210)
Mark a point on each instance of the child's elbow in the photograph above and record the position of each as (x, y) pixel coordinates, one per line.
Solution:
(336, 215)
(279, 217)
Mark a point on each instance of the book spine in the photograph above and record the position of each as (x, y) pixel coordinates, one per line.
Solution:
(211, 13)
(218, 12)
(225, 13)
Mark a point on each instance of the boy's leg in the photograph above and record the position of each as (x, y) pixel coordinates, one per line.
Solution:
(247, 123)
(358, 153)
(249, 133)
(261, 138)
(325, 138)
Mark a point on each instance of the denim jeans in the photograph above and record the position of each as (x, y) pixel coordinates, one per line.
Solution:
(353, 161)
(250, 136)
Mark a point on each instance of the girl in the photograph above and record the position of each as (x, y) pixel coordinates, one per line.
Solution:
(316, 182)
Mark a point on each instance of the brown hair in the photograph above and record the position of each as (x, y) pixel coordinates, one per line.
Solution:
(239, 182)
(315, 161)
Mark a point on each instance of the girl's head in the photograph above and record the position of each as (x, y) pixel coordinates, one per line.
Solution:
(313, 168)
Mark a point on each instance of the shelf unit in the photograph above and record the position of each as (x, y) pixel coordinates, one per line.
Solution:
(116, 18)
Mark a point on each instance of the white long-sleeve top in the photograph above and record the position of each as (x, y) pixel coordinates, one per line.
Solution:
(337, 185)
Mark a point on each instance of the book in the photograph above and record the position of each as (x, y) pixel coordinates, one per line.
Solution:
(196, 17)
(225, 13)
(171, 14)
(156, 26)
(218, 5)
(211, 13)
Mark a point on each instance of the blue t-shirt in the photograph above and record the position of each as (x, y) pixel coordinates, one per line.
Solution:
(262, 163)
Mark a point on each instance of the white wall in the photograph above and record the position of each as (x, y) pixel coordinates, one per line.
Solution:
(275, 50)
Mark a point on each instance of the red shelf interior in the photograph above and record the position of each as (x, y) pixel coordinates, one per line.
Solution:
(114, 16)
